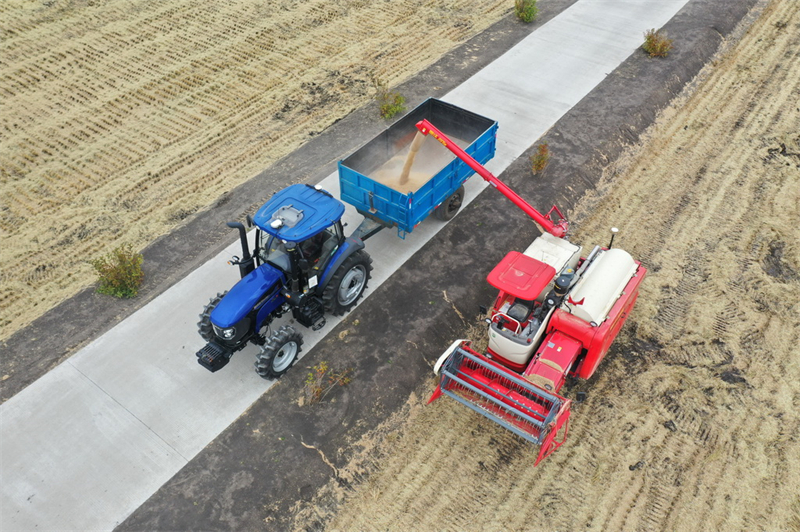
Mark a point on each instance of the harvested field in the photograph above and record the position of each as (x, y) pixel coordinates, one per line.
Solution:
(692, 420)
(122, 119)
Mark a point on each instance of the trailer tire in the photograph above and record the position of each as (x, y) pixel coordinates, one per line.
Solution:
(449, 207)
(204, 325)
(348, 283)
(279, 353)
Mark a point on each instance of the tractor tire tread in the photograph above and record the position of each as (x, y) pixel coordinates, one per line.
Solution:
(204, 326)
(329, 294)
(266, 355)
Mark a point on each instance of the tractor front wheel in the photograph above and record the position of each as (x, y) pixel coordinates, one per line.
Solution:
(348, 283)
(279, 353)
(450, 206)
(204, 325)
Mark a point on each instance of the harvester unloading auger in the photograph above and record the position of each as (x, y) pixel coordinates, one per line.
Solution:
(556, 315)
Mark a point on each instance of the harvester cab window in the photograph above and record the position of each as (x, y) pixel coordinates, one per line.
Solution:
(520, 310)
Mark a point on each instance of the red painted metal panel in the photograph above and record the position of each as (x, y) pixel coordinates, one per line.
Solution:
(521, 276)
(553, 360)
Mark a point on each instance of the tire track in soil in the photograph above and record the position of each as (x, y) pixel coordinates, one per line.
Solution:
(692, 422)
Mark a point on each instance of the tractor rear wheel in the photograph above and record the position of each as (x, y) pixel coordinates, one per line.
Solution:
(450, 206)
(348, 283)
(279, 353)
(204, 325)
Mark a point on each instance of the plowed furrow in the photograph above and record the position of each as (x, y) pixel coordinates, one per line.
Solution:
(167, 107)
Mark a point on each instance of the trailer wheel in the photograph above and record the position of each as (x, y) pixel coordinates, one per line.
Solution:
(279, 353)
(204, 325)
(348, 283)
(450, 206)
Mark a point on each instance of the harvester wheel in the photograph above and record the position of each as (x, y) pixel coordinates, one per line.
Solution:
(450, 206)
(348, 283)
(279, 353)
(204, 325)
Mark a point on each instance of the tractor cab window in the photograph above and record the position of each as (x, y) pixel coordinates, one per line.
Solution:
(319, 248)
(273, 251)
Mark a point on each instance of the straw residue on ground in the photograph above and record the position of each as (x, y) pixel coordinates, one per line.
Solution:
(693, 420)
(120, 119)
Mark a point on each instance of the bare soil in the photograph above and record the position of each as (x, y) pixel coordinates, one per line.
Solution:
(692, 422)
(122, 119)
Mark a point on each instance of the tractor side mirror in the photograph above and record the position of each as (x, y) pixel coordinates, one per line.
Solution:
(303, 264)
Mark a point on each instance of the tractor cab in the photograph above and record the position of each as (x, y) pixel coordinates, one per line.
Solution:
(298, 232)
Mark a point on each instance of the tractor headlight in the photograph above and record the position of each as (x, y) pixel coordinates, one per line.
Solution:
(225, 334)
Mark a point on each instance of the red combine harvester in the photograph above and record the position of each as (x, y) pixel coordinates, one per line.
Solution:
(556, 315)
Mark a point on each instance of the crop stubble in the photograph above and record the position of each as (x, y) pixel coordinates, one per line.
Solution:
(692, 421)
(121, 119)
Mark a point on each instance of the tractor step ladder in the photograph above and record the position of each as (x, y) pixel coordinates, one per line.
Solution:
(504, 397)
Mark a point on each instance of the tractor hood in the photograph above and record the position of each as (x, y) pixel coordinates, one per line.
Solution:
(244, 295)
(298, 212)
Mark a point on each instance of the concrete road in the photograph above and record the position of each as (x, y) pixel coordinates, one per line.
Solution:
(87, 443)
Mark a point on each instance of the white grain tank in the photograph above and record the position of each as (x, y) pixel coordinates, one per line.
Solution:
(600, 286)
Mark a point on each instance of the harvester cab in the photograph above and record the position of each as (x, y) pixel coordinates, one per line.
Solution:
(531, 285)
(556, 315)
(302, 263)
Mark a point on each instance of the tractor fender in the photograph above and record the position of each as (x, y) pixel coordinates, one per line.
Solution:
(350, 246)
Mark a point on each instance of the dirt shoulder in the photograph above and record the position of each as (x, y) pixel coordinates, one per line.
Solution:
(71, 324)
(281, 462)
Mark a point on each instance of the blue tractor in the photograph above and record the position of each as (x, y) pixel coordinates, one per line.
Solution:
(302, 264)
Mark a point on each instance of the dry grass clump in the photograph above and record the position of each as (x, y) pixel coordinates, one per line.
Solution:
(540, 160)
(656, 43)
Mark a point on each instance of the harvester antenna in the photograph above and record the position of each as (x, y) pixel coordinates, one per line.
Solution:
(614, 232)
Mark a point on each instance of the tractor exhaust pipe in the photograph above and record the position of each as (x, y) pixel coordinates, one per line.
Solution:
(246, 264)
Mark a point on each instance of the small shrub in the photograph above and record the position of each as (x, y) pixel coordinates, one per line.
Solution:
(526, 10)
(389, 102)
(119, 272)
(321, 380)
(656, 43)
(540, 160)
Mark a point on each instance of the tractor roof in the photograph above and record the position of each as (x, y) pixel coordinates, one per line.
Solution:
(521, 276)
(298, 212)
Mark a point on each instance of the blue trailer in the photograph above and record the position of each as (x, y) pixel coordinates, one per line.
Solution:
(369, 178)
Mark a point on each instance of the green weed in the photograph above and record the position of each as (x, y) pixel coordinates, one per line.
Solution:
(390, 103)
(526, 10)
(119, 272)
